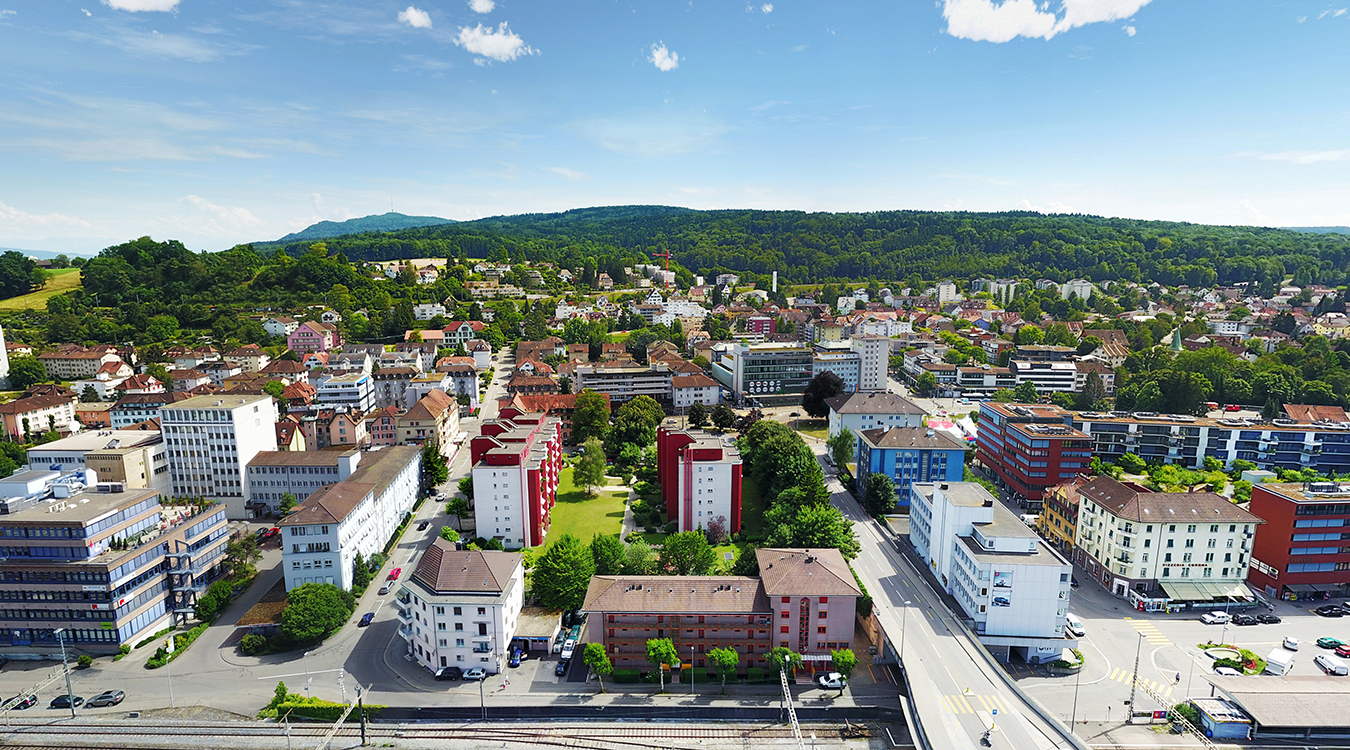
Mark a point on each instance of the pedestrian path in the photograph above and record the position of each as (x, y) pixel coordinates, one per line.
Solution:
(971, 703)
(1163, 688)
(1150, 632)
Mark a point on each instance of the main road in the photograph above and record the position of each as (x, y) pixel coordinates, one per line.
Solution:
(955, 692)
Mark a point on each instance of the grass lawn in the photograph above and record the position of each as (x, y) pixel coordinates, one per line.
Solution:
(620, 337)
(62, 280)
(584, 517)
(816, 428)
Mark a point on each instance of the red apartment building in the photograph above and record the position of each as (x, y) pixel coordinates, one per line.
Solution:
(1302, 551)
(516, 464)
(700, 478)
(1030, 448)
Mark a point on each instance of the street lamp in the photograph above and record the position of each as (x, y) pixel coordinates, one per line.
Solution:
(481, 703)
(691, 669)
(65, 666)
(903, 621)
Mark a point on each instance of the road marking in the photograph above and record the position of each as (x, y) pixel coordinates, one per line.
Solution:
(1115, 672)
(310, 673)
(1150, 632)
(1161, 688)
(972, 704)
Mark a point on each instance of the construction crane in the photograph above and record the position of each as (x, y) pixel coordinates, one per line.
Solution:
(665, 255)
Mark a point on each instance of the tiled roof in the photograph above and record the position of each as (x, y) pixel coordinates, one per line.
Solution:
(687, 594)
(911, 437)
(443, 568)
(873, 403)
(1124, 501)
(805, 572)
(328, 504)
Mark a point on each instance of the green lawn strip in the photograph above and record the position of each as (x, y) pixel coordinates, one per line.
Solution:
(584, 517)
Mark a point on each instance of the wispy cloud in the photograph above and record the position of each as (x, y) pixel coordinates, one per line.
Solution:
(1298, 156)
(1053, 207)
(415, 17)
(4, 13)
(664, 59)
(13, 220)
(655, 136)
(1255, 213)
(570, 174)
(136, 6)
(154, 44)
(422, 64)
(481, 6)
(800, 47)
(500, 44)
(229, 217)
(1333, 12)
(988, 21)
(766, 8)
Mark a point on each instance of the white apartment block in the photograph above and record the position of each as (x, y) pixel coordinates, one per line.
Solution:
(947, 292)
(321, 538)
(1013, 585)
(354, 390)
(272, 474)
(461, 608)
(624, 382)
(874, 353)
(1048, 377)
(701, 479)
(428, 310)
(1081, 288)
(211, 439)
(869, 411)
(698, 388)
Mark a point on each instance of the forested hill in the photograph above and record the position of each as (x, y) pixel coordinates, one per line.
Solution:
(1323, 230)
(389, 222)
(890, 245)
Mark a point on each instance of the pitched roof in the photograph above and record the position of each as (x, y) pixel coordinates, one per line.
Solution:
(911, 437)
(1131, 504)
(873, 403)
(1308, 413)
(430, 406)
(713, 594)
(796, 572)
(33, 403)
(328, 504)
(443, 568)
(692, 381)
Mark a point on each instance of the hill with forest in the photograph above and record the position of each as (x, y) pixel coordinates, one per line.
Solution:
(387, 222)
(1322, 230)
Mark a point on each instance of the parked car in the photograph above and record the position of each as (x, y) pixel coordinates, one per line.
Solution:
(1227, 672)
(1214, 618)
(568, 648)
(1232, 407)
(1268, 619)
(1291, 643)
(1073, 582)
(477, 673)
(273, 532)
(109, 698)
(561, 669)
(393, 574)
(449, 673)
(64, 701)
(261, 534)
(423, 525)
(514, 660)
(1074, 625)
(1241, 619)
(1343, 650)
(1330, 610)
(22, 702)
(366, 619)
(1331, 665)
(1328, 642)
(831, 680)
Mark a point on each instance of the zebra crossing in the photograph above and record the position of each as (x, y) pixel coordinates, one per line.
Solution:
(971, 703)
(1125, 676)
(1150, 632)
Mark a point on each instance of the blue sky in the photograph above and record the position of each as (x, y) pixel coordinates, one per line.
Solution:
(222, 121)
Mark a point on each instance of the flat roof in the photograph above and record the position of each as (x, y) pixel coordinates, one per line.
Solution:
(1006, 524)
(97, 440)
(218, 401)
(964, 494)
(1299, 492)
(1292, 701)
(80, 508)
(1042, 556)
(538, 622)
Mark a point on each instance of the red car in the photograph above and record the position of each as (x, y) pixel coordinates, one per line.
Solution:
(1232, 407)
(1343, 650)
(393, 574)
(273, 531)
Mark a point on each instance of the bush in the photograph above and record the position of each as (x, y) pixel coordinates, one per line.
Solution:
(180, 644)
(700, 675)
(252, 644)
(863, 604)
(85, 661)
(322, 710)
(755, 674)
(625, 676)
(671, 527)
(1187, 711)
(153, 638)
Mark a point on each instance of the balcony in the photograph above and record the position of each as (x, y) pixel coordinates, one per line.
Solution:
(482, 649)
(405, 631)
(405, 615)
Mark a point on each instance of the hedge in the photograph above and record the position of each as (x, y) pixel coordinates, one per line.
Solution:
(180, 644)
(625, 676)
(863, 604)
(322, 710)
(755, 674)
(700, 676)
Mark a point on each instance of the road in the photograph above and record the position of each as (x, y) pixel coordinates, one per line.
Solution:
(954, 692)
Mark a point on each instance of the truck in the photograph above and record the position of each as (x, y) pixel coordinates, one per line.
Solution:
(1279, 661)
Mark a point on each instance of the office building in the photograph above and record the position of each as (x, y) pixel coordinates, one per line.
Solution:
(771, 374)
(461, 608)
(354, 390)
(211, 439)
(908, 455)
(272, 474)
(700, 479)
(135, 408)
(1048, 377)
(1013, 586)
(516, 464)
(874, 356)
(321, 538)
(136, 458)
(1028, 448)
(1300, 552)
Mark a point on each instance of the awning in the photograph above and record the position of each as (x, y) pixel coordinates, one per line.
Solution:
(1207, 592)
(1185, 592)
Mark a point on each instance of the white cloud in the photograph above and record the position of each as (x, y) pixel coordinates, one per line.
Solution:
(13, 220)
(570, 174)
(500, 44)
(415, 17)
(1333, 12)
(141, 5)
(1299, 157)
(1130, 30)
(800, 47)
(1053, 207)
(228, 216)
(1254, 213)
(995, 21)
(86, 12)
(766, 8)
(481, 6)
(664, 60)
(4, 13)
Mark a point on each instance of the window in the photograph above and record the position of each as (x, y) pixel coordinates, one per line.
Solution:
(482, 611)
(1190, 543)
(1190, 529)
(783, 629)
(482, 628)
(1169, 544)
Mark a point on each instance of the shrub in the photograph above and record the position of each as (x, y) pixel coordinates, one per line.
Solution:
(699, 675)
(1187, 711)
(625, 675)
(671, 527)
(180, 644)
(85, 661)
(252, 644)
(863, 604)
(755, 674)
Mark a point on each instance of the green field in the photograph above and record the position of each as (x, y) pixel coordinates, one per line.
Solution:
(816, 428)
(584, 517)
(62, 280)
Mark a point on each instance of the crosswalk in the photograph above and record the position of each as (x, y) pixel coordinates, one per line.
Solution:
(970, 703)
(1150, 632)
(1124, 675)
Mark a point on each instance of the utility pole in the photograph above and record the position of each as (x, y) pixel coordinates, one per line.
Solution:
(65, 666)
(1135, 680)
(1076, 679)
(361, 712)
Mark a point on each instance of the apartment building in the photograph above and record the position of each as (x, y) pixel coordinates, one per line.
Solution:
(623, 381)
(1048, 377)
(771, 374)
(1029, 449)
(1058, 519)
(1188, 548)
(700, 479)
(424, 384)
(251, 357)
(1085, 368)
(74, 362)
(516, 464)
(908, 455)
(111, 566)
(138, 459)
(281, 326)
(874, 355)
(428, 310)
(34, 415)
(838, 358)
(870, 411)
(554, 405)
(1300, 552)
(1013, 585)
(687, 390)
(353, 390)
(321, 538)
(211, 439)
(461, 608)
(803, 600)
(272, 474)
(391, 385)
(435, 416)
(313, 336)
(136, 408)
(382, 426)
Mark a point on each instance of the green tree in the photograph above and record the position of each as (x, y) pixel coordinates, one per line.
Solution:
(459, 507)
(590, 418)
(434, 468)
(589, 470)
(563, 573)
(843, 447)
(636, 423)
(725, 660)
(242, 554)
(361, 575)
(660, 653)
(782, 658)
(698, 414)
(638, 559)
(607, 552)
(825, 385)
(595, 657)
(1272, 409)
(89, 395)
(844, 663)
(1132, 463)
(24, 371)
(314, 610)
(1029, 336)
(215, 599)
(466, 488)
(1025, 392)
(687, 554)
(449, 534)
(878, 494)
(810, 525)
(162, 328)
(286, 504)
(926, 384)
(723, 417)
(1094, 393)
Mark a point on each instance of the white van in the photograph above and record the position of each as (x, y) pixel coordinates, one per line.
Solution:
(1332, 665)
(1074, 625)
(1279, 662)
